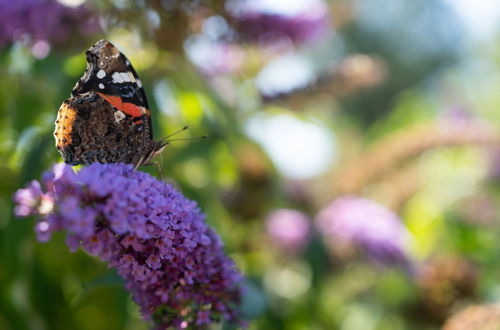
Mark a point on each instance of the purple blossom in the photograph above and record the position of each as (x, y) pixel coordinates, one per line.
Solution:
(377, 231)
(173, 264)
(27, 199)
(267, 20)
(42, 20)
(288, 229)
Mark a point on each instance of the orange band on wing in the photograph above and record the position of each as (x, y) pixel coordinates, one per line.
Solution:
(128, 108)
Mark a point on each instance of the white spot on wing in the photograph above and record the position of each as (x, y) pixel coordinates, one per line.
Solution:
(101, 86)
(125, 76)
(101, 74)
(139, 83)
(117, 77)
(119, 116)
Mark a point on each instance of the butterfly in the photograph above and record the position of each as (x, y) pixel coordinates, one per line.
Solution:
(107, 118)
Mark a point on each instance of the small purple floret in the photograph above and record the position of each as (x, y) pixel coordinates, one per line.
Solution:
(173, 264)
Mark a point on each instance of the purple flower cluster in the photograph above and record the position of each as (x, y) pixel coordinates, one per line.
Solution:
(47, 20)
(377, 231)
(254, 21)
(173, 264)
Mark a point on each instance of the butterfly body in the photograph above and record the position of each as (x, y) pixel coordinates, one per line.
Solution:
(107, 118)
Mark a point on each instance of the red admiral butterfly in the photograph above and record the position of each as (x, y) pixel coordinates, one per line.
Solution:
(107, 117)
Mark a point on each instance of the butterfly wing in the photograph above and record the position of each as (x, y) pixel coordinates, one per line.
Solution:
(107, 119)
(110, 75)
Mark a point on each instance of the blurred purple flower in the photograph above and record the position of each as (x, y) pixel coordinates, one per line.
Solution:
(377, 231)
(261, 21)
(173, 264)
(213, 57)
(42, 20)
(289, 230)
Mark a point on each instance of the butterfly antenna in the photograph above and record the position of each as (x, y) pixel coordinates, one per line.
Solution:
(190, 139)
(166, 139)
(175, 133)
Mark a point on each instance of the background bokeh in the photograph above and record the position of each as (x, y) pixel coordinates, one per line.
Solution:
(352, 166)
